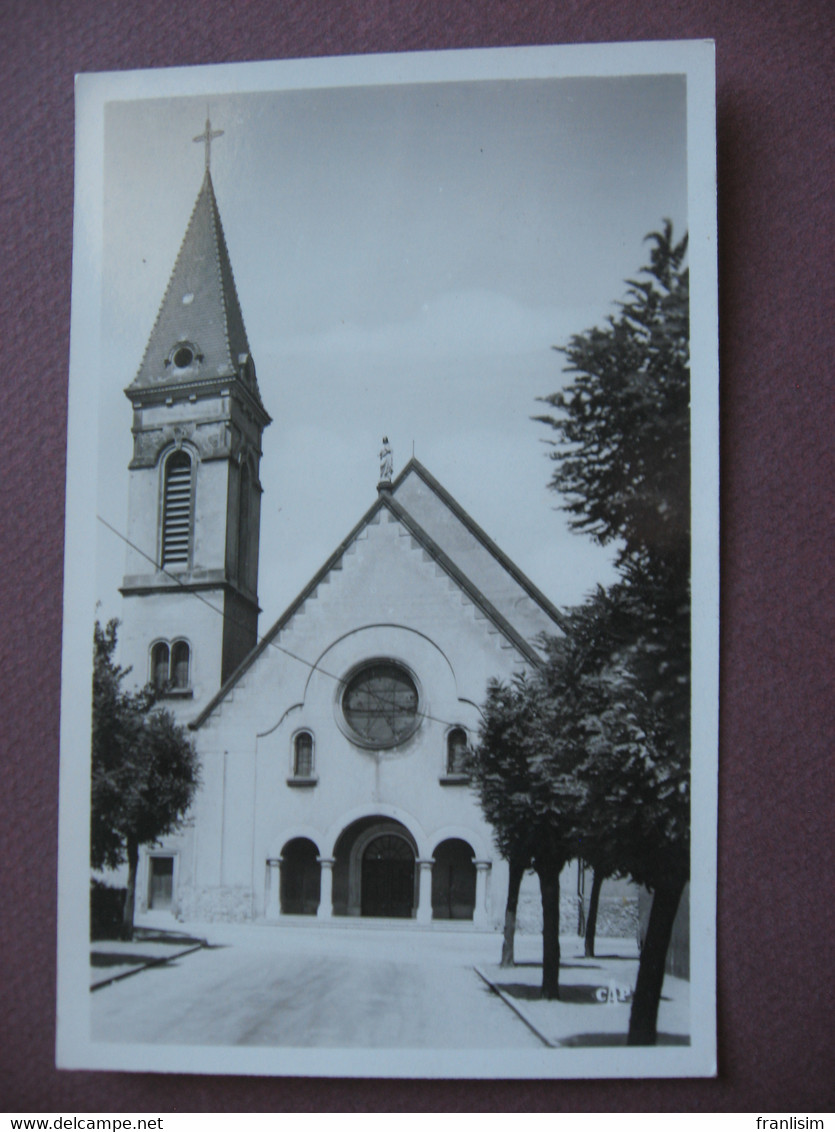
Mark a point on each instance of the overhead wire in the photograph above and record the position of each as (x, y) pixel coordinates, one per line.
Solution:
(260, 640)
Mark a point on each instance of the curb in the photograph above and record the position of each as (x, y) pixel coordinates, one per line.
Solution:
(144, 966)
(516, 1007)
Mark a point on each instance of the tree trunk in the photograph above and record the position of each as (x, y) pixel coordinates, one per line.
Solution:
(591, 922)
(549, 886)
(517, 871)
(581, 898)
(130, 891)
(643, 1020)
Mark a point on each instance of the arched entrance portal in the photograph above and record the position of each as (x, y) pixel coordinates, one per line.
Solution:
(388, 877)
(374, 871)
(300, 878)
(453, 881)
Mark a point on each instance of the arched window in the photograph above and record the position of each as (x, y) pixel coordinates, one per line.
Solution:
(171, 667)
(243, 525)
(303, 755)
(456, 751)
(180, 659)
(160, 655)
(177, 510)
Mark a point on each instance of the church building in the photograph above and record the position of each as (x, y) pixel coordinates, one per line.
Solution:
(332, 748)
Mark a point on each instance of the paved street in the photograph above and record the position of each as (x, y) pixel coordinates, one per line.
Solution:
(307, 987)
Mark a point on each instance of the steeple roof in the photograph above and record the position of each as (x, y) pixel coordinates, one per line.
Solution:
(199, 333)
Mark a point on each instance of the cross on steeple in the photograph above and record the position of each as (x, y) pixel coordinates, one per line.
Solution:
(206, 137)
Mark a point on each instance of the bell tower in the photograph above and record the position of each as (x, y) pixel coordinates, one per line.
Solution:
(190, 590)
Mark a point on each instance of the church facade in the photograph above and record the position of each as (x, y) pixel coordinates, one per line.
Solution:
(332, 748)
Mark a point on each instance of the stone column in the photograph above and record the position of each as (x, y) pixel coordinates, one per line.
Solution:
(325, 910)
(424, 908)
(272, 909)
(481, 916)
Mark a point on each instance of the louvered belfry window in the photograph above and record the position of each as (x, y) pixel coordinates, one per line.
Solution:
(176, 520)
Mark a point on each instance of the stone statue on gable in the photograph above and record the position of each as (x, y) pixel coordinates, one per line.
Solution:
(386, 461)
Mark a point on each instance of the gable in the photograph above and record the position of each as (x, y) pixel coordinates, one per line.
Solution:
(501, 582)
(388, 569)
(391, 574)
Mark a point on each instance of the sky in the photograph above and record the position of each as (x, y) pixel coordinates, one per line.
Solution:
(406, 258)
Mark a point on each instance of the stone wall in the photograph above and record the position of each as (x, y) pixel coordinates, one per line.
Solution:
(617, 913)
(617, 916)
(216, 905)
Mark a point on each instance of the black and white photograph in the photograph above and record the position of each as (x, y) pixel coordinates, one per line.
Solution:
(389, 700)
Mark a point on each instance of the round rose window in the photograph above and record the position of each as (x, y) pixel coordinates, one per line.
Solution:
(380, 704)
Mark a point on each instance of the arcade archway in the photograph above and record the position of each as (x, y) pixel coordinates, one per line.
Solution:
(374, 870)
(453, 881)
(300, 878)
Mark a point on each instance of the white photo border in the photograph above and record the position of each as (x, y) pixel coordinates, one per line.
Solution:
(74, 1046)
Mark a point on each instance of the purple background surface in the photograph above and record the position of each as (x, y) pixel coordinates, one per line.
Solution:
(776, 139)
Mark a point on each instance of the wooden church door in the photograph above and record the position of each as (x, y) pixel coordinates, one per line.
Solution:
(161, 892)
(388, 877)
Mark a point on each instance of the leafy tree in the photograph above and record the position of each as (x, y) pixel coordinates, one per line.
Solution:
(637, 778)
(623, 447)
(572, 678)
(622, 459)
(144, 769)
(524, 770)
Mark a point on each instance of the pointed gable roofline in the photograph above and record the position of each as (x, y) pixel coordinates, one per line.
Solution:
(414, 465)
(472, 591)
(200, 311)
(383, 502)
(285, 617)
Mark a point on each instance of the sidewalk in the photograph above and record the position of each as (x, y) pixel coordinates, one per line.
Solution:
(113, 959)
(595, 995)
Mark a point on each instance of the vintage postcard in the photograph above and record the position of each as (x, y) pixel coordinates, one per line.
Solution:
(392, 381)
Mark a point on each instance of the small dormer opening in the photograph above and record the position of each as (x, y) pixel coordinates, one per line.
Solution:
(183, 357)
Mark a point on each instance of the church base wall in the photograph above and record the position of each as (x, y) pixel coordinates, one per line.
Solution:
(617, 916)
(228, 905)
